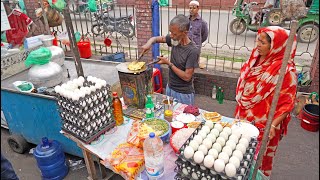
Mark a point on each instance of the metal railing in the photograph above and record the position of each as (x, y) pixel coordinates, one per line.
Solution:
(222, 51)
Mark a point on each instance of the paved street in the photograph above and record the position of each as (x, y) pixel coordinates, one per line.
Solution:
(297, 156)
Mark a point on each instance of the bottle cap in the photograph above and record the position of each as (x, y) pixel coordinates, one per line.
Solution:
(152, 135)
(115, 94)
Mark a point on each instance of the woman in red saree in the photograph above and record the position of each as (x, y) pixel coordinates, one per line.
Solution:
(256, 86)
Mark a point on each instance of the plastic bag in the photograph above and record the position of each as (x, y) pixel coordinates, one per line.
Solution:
(23, 86)
(40, 56)
(59, 5)
(22, 7)
(92, 5)
(64, 38)
(259, 176)
(77, 35)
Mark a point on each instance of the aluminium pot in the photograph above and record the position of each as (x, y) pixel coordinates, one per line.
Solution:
(47, 75)
(58, 55)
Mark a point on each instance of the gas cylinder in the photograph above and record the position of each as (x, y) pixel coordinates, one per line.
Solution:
(51, 160)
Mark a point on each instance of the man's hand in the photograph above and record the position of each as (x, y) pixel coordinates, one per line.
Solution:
(163, 60)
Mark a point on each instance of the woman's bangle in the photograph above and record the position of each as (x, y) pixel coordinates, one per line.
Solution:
(274, 126)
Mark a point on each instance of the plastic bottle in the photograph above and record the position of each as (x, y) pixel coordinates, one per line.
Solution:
(149, 107)
(153, 156)
(218, 93)
(214, 92)
(117, 109)
(221, 97)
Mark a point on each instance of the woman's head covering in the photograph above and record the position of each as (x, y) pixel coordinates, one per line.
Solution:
(258, 82)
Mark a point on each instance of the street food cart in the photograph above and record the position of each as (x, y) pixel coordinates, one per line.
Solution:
(31, 116)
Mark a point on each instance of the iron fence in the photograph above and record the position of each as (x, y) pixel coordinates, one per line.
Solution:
(222, 51)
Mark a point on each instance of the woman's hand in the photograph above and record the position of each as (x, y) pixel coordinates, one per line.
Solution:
(272, 133)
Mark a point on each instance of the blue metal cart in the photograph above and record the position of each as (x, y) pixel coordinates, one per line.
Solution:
(31, 116)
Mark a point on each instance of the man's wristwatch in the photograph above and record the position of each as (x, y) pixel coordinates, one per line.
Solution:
(170, 65)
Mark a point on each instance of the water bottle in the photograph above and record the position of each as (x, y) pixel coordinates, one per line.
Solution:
(214, 92)
(149, 107)
(153, 156)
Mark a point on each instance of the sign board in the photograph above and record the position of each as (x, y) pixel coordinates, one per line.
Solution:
(4, 19)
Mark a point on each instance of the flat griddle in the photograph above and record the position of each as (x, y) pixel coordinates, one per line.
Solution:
(123, 67)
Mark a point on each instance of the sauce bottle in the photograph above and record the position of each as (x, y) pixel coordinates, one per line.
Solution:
(117, 109)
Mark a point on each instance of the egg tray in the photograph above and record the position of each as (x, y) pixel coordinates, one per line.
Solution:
(250, 151)
(95, 135)
(191, 171)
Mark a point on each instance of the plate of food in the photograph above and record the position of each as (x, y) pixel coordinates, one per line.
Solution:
(211, 116)
(185, 118)
(246, 129)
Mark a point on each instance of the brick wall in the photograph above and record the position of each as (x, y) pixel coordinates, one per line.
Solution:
(315, 71)
(204, 81)
(31, 6)
(144, 25)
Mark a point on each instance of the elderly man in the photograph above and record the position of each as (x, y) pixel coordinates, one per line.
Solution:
(266, 8)
(198, 31)
(184, 59)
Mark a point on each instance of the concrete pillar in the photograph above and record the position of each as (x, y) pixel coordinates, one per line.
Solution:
(314, 72)
(144, 25)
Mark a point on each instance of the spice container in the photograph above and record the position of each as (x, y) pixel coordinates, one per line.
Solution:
(168, 115)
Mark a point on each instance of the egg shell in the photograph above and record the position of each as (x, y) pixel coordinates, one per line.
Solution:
(235, 161)
(212, 137)
(209, 124)
(234, 138)
(198, 138)
(218, 127)
(219, 165)
(203, 149)
(198, 157)
(238, 154)
(227, 150)
(188, 152)
(227, 130)
(244, 141)
(237, 133)
(207, 142)
(224, 156)
(230, 170)
(217, 147)
(224, 135)
(214, 153)
(241, 148)
(202, 133)
(215, 132)
(194, 175)
(221, 141)
(205, 129)
(208, 161)
(231, 144)
(194, 144)
(248, 137)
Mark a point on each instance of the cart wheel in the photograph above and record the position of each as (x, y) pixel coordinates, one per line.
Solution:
(237, 26)
(17, 143)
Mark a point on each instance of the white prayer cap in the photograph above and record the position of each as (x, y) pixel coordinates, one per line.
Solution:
(194, 3)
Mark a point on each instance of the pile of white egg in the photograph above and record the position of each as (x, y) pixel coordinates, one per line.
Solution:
(75, 89)
(218, 148)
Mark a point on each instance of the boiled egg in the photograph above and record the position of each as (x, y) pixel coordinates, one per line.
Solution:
(188, 152)
(224, 156)
(241, 148)
(217, 147)
(227, 150)
(208, 161)
(238, 154)
(234, 138)
(219, 165)
(203, 149)
(209, 124)
(211, 137)
(202, 133)
(194, 144)
(244, 141)
(207, 142)
(224, 135)
(215, 132)
(206, 129)
(231, 144)
(198, 157)
(230, 170)
(198, 138)
(235, 161)
(218, 127)
(221, 141)
(214, 153)
(227, 130)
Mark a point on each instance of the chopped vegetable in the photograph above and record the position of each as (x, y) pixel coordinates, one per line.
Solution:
(159, 126)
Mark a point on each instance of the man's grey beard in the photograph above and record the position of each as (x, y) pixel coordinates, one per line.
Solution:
(174, 42)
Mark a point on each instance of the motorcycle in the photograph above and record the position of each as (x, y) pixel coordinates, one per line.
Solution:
(308, 30)
(104, 23)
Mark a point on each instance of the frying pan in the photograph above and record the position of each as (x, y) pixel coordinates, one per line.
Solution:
(123, 67)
